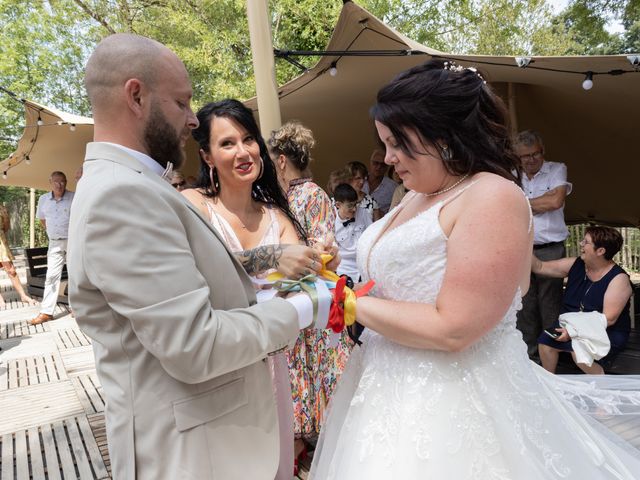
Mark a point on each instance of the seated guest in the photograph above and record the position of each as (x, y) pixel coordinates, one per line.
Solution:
(350, 223)
(358, 175)
(595, 284)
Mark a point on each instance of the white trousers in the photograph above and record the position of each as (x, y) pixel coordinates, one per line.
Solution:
(56, 256)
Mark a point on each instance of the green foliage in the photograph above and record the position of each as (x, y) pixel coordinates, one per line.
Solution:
(16, 199)
(585, 22)
(42, 51)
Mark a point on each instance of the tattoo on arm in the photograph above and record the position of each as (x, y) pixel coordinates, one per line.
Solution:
(260, 259)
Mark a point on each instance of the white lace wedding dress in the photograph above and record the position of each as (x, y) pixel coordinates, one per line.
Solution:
(481, 414)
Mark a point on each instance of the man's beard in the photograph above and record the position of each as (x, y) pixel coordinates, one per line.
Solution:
(163, 143)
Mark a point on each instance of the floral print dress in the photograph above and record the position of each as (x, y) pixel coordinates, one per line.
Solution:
(314, 365)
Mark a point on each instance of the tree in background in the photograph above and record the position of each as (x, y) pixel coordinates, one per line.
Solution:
(44, 44)
(586, 21)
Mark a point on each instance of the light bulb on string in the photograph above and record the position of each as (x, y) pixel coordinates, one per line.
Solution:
(587, 84)
(72, 127)
(27, 160)
(333, 71)
(4, 175)
(40, 122)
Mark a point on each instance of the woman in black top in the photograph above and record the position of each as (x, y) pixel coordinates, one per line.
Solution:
(595, 283)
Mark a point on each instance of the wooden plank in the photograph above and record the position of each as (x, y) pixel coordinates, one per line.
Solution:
(53, 468)
(13, 379)
(7, 456)
(92, 448)
(41, 367)
(82, 462)
(52, 374)
(35, 450)
(66, 460)
(22, 456)
(23, 374)
(94, 395)
(82, 395)
(4, 378)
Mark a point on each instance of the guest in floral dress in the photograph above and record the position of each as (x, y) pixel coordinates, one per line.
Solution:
(317, 360)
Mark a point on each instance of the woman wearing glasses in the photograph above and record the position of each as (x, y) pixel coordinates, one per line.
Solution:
(595, 284)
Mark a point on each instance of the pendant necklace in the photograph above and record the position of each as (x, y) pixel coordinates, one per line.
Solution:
(585, 293)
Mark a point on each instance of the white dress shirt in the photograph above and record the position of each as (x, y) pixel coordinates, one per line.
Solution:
(55, 213)
(347, 237)
(548, 226)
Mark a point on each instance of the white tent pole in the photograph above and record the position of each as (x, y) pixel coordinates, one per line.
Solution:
(513, 117)
(264, 66)
(32, 217)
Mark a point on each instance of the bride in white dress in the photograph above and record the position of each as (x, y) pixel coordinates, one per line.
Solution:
(442, 387)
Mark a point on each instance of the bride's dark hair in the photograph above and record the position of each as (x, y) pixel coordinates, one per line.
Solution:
(266, 188)
(450, 105)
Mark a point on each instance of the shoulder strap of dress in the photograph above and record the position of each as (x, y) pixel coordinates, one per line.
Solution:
(457, 193)
(530, 210)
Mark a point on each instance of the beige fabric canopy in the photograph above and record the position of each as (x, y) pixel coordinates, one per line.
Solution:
(594, 132)
(57, 144)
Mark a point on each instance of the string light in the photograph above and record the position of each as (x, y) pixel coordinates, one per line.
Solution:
(39, 122)
(72, 127)
(587, 84)
(333, 71)
(4, 175)
(27, 160)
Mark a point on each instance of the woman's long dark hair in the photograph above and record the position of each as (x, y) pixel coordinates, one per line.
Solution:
(266, 188)
(453, 106)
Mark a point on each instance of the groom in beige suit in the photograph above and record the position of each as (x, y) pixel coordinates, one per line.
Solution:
(178, 337)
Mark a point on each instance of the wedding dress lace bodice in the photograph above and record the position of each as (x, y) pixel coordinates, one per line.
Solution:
(484, 413)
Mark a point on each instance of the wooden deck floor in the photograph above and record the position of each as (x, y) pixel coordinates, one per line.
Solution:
(51, 403)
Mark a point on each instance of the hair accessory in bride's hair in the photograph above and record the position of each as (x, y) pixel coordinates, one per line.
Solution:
(454, 67)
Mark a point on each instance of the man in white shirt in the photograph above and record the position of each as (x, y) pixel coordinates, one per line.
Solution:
(53, 211)
(545, 185)
(378, 184)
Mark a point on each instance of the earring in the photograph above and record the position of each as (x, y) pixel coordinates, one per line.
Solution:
(214, 187)
(261, 169)
(445, 153)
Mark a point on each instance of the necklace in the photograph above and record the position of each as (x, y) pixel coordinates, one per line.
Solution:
(444, 190)
(585, 293)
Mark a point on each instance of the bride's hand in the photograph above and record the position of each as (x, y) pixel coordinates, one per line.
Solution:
(297, 261)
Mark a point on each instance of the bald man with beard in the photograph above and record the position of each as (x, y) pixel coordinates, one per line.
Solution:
(178, 337)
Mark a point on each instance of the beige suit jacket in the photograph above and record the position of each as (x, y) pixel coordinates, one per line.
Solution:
(178, 339)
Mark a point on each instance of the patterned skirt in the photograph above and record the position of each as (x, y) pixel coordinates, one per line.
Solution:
(314, 368)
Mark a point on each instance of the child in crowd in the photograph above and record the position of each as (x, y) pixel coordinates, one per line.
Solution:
(350, 223)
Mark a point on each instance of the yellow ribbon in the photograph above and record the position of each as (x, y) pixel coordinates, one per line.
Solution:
(349, 295)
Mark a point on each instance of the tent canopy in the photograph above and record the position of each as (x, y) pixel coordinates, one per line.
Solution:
(594, 132)
(52, 140)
